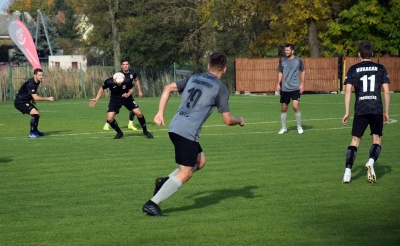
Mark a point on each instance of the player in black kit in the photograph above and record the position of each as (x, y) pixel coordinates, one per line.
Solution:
(131, 76)
(26, 99)
(121, 95)
(367, 78)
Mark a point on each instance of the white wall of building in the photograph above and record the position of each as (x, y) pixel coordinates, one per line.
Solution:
(68, 62)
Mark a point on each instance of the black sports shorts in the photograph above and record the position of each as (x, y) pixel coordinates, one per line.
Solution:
(360, 123)
(287, 95)
(115, 105)
(186, 151)
(24, 107)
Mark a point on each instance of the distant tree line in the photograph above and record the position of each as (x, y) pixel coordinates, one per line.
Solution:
(161, 32)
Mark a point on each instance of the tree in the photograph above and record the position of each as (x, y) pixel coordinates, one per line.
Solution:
(367, 20)
(241, 27)
(164, 32)
(113, 8)
(78, 5)
(69, 37)
(300, 19)
(152, 32)
(30, 6)
(109, 12)
(390, 26)
(66, 19)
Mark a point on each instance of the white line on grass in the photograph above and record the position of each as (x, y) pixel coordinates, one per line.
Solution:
(303, 120)
(58, 136)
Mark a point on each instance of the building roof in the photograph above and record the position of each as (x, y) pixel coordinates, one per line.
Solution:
(4, 20)
(4, 26)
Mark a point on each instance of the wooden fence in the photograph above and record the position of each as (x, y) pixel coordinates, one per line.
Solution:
(321, 74)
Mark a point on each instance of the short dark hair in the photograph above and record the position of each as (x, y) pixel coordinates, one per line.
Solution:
(125, 60)
(365, 50)
(291, 46)
(218, 61)
(37, 70)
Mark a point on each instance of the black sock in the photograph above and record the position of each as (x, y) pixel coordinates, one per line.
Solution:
(374, 151)
(142, 122)
(34, 122)
(115, 126)
(350, 156)
(131, 116)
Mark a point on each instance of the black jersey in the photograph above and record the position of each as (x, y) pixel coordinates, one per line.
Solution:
(117, 90)
(27, 89)
(367, 78)
(130, 76)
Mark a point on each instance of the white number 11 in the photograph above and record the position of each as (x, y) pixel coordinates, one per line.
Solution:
(365, 79)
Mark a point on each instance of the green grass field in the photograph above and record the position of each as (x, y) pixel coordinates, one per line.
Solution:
(78, 186)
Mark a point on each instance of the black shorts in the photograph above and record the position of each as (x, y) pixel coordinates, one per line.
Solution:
(287, 95)
(115, 105)
(24, 107)
(360, 123)
(186, 151)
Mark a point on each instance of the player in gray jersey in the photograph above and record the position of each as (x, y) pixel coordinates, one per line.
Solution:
(290, 85)
(367, 78)
(201, 94)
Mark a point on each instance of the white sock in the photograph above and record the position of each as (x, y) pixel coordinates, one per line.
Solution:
(106, 124)
(173, 173)
(171, 186)
(298, 119)
(283, 120)
(130, 122)
(371, 161)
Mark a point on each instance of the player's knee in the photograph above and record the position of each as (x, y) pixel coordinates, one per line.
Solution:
(138, 113)
(184, 175)
(189, 175)
(201, 163)
(355, 141)
(34, 112)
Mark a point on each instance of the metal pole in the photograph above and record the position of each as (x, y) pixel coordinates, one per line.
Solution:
(11, 84)
(174, 71)
(83, 80)
(45, 31)
(37, 29)
(175, 93)
(44, 75)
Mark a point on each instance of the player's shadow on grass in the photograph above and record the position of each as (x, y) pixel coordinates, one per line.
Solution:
(6, 159)
(294, 128)
(359, 171)
(212, 197)
(49, 133)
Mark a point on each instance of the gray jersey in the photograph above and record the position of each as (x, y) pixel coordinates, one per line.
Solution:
(201, 93)
(291, 73)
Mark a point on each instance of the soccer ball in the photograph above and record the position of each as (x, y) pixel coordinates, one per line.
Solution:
(119, 78)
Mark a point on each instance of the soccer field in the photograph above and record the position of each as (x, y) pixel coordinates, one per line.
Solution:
(78, 186)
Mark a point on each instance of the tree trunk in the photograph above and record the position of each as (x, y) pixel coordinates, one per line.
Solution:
(313, 38)
(113, 9)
